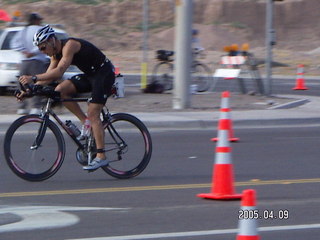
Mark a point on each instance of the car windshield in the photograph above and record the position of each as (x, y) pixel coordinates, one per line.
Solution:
(7, 40)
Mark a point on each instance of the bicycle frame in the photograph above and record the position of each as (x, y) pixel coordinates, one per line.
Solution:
(47, 111)
(33, 163)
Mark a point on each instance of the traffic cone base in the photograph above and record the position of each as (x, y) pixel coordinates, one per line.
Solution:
(219, 197)
(248, 237)
(222, 189)
(232, 139)
(300, 85)
(228, 125)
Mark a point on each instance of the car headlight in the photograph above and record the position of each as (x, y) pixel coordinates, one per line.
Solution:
(9, 66)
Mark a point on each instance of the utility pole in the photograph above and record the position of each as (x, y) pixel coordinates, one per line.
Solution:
(183, 30)
(270, 41)
(144, 64)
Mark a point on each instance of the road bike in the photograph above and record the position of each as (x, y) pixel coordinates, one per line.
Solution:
(34, 146)
(163, 72)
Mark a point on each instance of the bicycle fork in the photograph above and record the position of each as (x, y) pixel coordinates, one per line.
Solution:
(43, 126)
(41, 133)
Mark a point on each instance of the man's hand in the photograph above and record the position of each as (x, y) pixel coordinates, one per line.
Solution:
(24, 80)
(20, 95)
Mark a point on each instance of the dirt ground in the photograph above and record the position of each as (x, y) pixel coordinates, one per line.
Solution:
(115, 27)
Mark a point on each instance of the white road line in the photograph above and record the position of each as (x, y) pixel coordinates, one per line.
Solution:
(202, 233)
(43, 217)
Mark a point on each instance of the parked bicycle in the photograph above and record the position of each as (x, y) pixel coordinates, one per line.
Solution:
(163, 72)
(34, 145)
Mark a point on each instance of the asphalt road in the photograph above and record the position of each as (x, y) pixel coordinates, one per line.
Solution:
(280, 163)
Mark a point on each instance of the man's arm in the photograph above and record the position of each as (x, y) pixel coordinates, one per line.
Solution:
(59, 67)
(53, 65)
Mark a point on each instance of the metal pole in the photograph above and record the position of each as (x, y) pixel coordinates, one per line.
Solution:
(144, 64)
(270, 41)
(183, 24)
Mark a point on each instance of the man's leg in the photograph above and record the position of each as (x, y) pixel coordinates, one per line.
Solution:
(101, 85)
(94, 111)
(67, 90)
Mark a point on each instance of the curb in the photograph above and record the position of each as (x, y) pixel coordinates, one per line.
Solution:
(284, 114)
(292, 104)
(153, 122)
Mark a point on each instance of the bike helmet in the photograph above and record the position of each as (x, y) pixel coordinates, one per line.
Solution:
(43, 35)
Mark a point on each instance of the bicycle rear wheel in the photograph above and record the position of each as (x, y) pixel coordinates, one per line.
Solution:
(128, 146)
(30, 162)
(163, 74)
(201, 76)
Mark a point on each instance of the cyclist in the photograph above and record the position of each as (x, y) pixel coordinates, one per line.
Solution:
(98, 79)
(196, 45)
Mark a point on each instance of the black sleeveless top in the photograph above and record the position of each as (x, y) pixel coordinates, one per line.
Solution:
(88, 59)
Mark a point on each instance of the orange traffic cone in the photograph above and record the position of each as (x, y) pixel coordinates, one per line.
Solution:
(116, 71)
(300, 79)
(225, 116)
(247, 221)
(222, 177)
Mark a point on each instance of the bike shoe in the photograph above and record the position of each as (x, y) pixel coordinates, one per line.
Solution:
(95, 164)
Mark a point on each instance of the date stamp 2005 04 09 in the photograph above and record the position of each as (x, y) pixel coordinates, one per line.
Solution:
(264, 214)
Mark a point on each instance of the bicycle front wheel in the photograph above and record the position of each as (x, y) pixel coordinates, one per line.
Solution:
(128, 146)
(163, 74)
(201, 76)
(27, 160)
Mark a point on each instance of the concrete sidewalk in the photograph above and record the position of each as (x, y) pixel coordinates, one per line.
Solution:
(156, 109)
(308, 112)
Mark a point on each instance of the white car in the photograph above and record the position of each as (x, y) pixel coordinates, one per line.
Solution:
(10, 59)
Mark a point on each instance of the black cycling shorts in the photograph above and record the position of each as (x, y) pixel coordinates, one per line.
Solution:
(99, 84)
